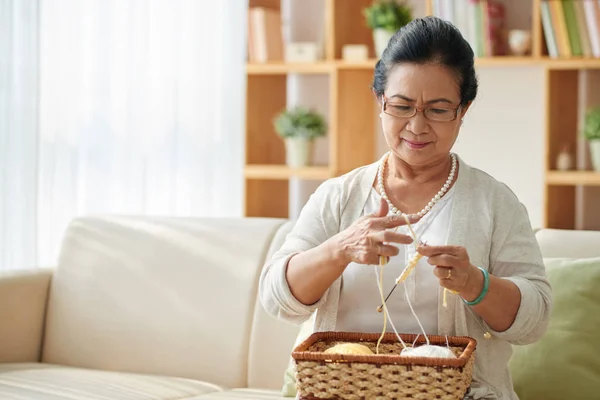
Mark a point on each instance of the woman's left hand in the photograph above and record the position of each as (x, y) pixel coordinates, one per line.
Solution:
(453, 268)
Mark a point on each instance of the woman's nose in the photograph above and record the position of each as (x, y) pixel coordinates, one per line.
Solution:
(418, 124)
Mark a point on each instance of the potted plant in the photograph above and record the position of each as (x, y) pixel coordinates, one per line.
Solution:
(299, 126)
(591, 132)
(385, 17)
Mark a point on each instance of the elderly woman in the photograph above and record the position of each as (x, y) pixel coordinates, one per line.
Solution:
(480, 243)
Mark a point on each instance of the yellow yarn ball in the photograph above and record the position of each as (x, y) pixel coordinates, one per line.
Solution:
(349, 348)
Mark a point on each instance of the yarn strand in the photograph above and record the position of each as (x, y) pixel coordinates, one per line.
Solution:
(402, 278)
(385, 309)
(380, 285)
(412, 310)
(379, 272)
(413, 263)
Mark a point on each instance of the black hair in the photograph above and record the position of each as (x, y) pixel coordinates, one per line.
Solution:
(430, 40)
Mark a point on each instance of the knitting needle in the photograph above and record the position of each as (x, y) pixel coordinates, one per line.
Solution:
(416, 239)
(380, 308)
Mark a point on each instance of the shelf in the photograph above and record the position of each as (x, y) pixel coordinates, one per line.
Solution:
(365, 64)
(506, 61)
(281, 68)
(283, 172)
(500, 61)
(325, 67)
(573, 178)
(572, 63)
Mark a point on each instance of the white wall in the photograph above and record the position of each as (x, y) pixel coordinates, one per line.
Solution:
(503, 133)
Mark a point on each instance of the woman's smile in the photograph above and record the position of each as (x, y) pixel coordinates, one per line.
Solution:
(415, 145)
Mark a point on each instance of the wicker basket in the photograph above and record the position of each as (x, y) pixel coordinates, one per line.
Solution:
(385, 375)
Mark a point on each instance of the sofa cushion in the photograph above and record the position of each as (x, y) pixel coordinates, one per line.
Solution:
(23, 295)
(158, 295)
(271, 339)
(51, 382)
(248, 394)
(567, 243)
(565, 363)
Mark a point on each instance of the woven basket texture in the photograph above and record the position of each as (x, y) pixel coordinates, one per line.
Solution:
(385, 375)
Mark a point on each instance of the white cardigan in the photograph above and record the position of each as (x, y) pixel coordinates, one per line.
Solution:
(487, 218)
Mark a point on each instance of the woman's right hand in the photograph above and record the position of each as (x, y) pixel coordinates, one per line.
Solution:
(369, 237)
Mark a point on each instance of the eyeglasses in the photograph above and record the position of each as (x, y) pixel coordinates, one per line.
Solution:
(437, 114)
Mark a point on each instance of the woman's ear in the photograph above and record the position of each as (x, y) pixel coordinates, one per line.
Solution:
(379, 100)
(464, 109)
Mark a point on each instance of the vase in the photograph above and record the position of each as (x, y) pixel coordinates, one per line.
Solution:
(381, 38)
(519, 41)
(298, 152)
(595, 153)
(564, 160)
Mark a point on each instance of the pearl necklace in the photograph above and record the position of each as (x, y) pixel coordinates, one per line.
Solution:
(431, 203)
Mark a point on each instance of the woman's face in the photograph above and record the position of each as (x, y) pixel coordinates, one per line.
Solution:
(427, 136)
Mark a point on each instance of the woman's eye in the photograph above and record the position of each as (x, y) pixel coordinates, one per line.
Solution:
(402, 108)
(439, 111)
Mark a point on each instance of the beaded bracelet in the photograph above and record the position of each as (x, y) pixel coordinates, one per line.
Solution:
(486, 286)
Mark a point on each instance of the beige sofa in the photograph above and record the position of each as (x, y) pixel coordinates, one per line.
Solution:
(159, 308)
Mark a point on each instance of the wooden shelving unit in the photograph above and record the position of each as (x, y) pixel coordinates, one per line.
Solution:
(563, 109)
(572, 63)
(570, 178)
(351, 135)
(352, 113)
(562, 128)
(283, 172)
(283, 68)
(327, 67)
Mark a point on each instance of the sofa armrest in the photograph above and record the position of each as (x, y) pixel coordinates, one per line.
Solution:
(23, 297)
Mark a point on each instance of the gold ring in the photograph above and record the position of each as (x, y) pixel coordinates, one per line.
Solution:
(449, 273)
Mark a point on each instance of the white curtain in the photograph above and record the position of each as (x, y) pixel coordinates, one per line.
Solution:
(140, 112)
(18, 131)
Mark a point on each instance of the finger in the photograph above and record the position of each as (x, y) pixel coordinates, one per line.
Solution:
(443, 273)
(370, 258)
(391, 237)
(449, 284)
(383, 209)
(391, 221)
(444, 260)
(431, 251)
(388, 250)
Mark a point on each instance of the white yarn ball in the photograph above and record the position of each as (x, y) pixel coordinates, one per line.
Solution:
(428, 350)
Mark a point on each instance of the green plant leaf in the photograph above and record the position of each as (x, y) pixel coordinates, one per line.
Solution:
(390, 15)
(591, 129)
(300, 122)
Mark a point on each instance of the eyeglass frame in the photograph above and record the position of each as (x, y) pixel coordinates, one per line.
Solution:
(385, 101)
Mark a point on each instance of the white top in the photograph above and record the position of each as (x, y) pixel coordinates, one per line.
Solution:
(487, 219)
(360, 297)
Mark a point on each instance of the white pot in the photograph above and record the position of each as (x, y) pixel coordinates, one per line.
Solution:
(381, 37)
(298, 152)
(519, 41)
(595, 153)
